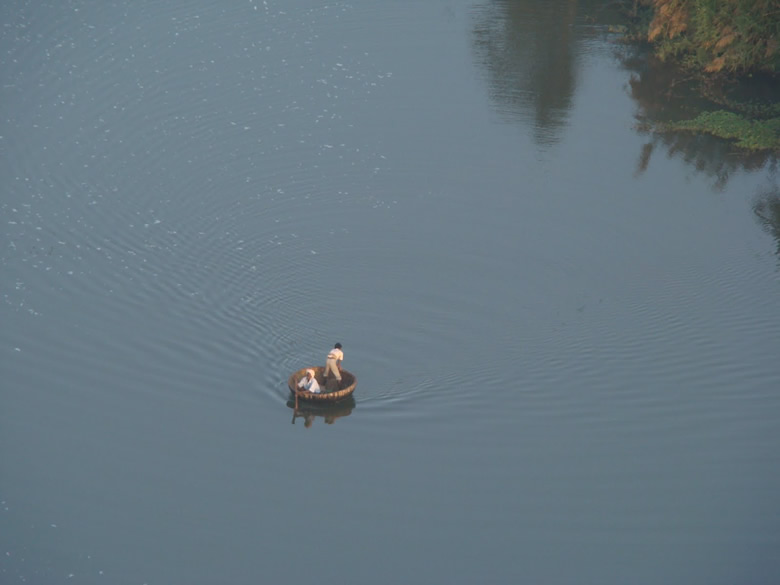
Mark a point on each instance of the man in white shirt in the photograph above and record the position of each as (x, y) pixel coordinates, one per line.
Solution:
(333, 362)
(309, 382)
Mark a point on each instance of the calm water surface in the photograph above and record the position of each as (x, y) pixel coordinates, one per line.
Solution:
(565, 332)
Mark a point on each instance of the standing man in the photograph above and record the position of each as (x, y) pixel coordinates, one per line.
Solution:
(333, 362)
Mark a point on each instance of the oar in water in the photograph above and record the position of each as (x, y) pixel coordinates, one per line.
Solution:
(295, 409)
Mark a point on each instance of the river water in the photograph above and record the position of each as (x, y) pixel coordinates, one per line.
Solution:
(565, 330)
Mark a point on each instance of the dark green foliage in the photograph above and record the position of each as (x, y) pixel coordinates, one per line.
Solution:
(731, 36)
(748, 134)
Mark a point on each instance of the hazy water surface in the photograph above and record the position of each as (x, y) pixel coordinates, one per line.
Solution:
(567, 349)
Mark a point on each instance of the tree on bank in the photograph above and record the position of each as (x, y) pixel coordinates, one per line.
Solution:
(720, 44)
(728, 36)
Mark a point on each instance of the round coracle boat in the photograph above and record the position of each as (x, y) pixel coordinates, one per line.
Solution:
(330, 390)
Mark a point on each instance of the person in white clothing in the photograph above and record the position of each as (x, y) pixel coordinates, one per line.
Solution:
(333, 362)
(309, 382)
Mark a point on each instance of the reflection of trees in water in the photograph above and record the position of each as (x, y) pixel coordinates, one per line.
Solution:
(767, 210)
(711, 156)
(527, 48)
(664, 94)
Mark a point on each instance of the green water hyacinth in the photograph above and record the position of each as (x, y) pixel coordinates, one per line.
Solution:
(748, 134)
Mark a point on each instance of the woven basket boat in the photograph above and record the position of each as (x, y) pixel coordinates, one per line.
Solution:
(330, 389)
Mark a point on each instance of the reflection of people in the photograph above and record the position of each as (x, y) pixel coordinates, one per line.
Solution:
(333, 362)
(309, 382)
(330, 412)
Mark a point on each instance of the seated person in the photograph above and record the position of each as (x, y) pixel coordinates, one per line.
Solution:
(309, 382)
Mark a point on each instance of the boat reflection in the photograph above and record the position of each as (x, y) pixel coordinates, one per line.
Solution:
(329, 412)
